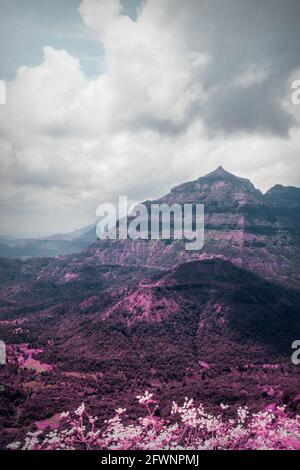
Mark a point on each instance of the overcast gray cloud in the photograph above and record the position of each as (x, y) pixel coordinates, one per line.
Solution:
(255, 47)
(182, 88)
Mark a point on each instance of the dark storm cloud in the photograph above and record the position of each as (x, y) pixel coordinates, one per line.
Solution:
(238, 35)
(253, 109)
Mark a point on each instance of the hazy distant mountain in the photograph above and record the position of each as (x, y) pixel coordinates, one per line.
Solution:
(54, 245)
(87, 232)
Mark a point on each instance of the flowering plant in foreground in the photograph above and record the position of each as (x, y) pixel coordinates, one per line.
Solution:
(192, 428)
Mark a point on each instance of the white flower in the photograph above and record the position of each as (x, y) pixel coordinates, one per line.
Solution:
(242, 414)
(14, 445)
(224, 407)
(80, 410)
(146, 398)
(120, 411)
(174, 408)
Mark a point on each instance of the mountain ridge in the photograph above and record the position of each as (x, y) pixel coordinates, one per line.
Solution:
(252, 230)
(219, 190)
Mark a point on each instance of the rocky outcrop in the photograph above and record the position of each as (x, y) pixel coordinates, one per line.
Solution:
(258, 232)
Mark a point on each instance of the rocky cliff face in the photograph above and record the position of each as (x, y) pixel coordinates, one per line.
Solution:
(258, 232)
(219, 191)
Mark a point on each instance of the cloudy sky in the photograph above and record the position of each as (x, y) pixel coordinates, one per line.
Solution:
(109, 97)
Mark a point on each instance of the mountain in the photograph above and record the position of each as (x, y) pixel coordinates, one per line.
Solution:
(260, 233)
(286, 197)
(224, 303)
(218, 190)
(124, 316)
(54, 245)
(255, 231)
(82, 233)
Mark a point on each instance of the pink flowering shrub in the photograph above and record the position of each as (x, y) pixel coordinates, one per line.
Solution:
(192, 428)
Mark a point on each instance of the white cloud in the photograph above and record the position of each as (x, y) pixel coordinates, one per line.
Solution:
(255, 74)
(68, 143)
(98, 15)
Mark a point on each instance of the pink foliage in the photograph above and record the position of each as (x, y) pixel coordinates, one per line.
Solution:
(191, 428)
(24, 357)
(69, 277)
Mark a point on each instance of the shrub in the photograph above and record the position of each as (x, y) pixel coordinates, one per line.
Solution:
(191, 427)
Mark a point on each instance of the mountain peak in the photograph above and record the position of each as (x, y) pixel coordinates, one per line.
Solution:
(217, 190)
(220, 173)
